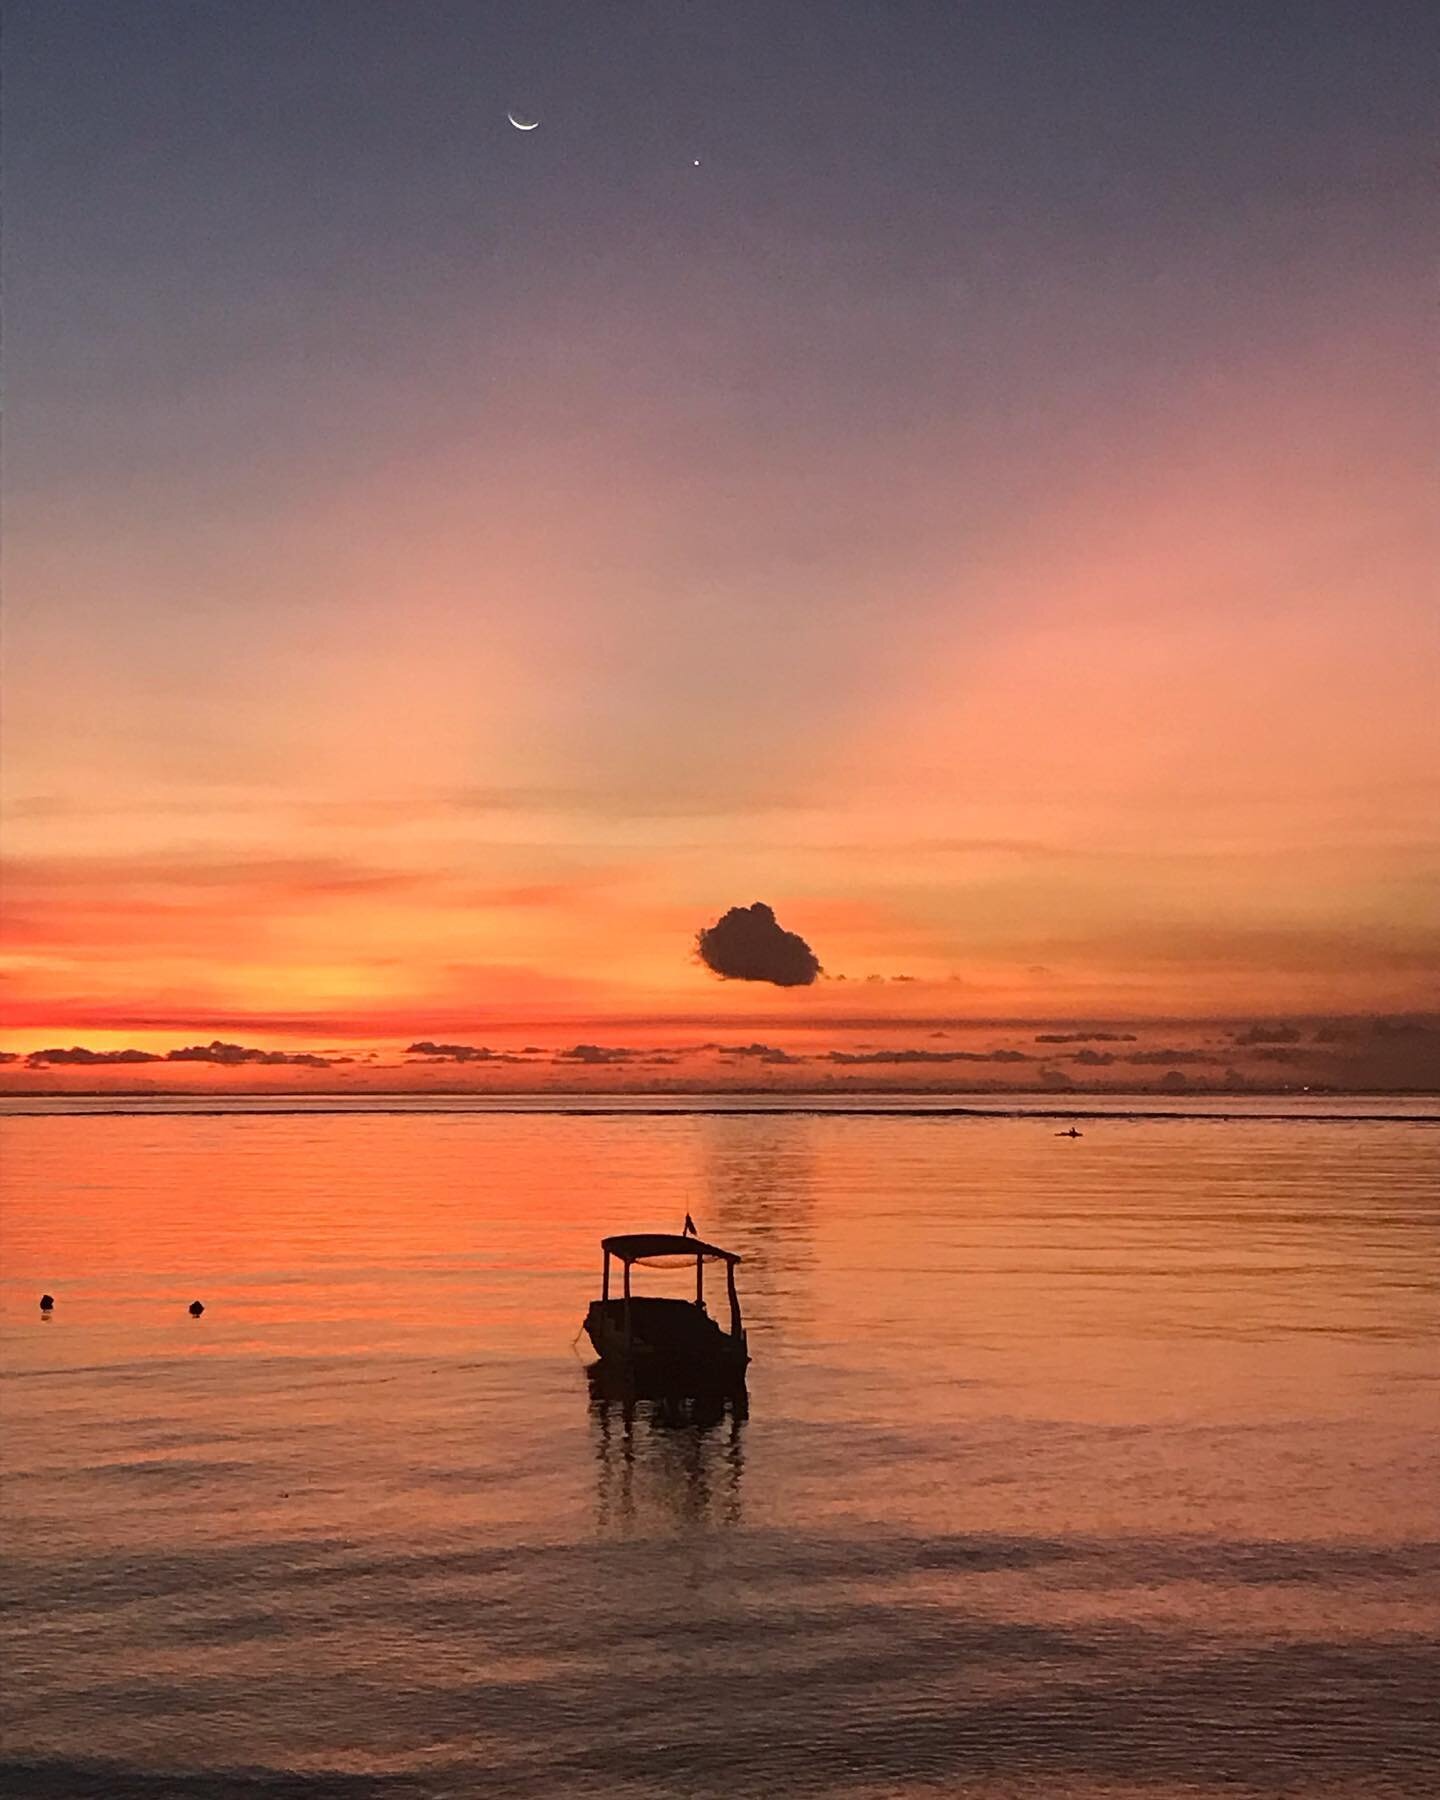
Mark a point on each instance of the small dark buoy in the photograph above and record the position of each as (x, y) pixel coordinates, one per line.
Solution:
(47, 1303)
(196, 1308)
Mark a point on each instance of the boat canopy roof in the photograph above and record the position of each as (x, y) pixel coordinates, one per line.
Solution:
(642, 1246)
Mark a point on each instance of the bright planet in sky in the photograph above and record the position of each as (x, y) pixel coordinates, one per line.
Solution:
(522, 121)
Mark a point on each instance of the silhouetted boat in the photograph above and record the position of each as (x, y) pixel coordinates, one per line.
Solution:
(676, 1339)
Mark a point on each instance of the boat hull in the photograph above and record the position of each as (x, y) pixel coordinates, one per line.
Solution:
(664, 1335)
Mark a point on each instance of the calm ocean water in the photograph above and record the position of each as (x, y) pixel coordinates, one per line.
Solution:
(1104, 1467)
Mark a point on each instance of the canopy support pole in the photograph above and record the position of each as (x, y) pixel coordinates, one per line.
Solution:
(626, 1267)
(736, 1330)
(700, 1282)
(605, 1282)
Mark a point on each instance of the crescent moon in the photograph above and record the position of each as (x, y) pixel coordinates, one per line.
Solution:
(522, 124)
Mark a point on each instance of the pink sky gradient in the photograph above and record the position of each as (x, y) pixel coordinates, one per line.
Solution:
(1033, 603)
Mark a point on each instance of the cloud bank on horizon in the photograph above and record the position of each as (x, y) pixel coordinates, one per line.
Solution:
(1356, 1055)
(216, 1053)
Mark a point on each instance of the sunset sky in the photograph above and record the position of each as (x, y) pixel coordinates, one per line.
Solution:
(961, 475)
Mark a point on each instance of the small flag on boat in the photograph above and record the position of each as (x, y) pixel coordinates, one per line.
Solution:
(689, 1230)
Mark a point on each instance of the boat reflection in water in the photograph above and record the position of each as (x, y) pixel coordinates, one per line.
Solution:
(667, 1404)
(664, 1448)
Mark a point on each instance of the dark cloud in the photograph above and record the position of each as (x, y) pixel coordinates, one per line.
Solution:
(233, 1056)
(765, 1053)
(9, 1056)
(1158, 1058)
(1266, 1034)
(1086, 1037)
(747, 944)
(1175, 1082)
(1350, 1031)
(1400, 1028)
(1054, 1078)
(1276, 1054)
(927, 1056)
(1094, 1059)
(1397, 1053)
(225, 1055)
(595, 1053)
(458, 1053)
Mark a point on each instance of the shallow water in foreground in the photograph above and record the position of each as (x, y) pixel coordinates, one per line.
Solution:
(1103, 1467)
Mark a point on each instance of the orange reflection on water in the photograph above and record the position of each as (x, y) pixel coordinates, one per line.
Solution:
(1151, 1406)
